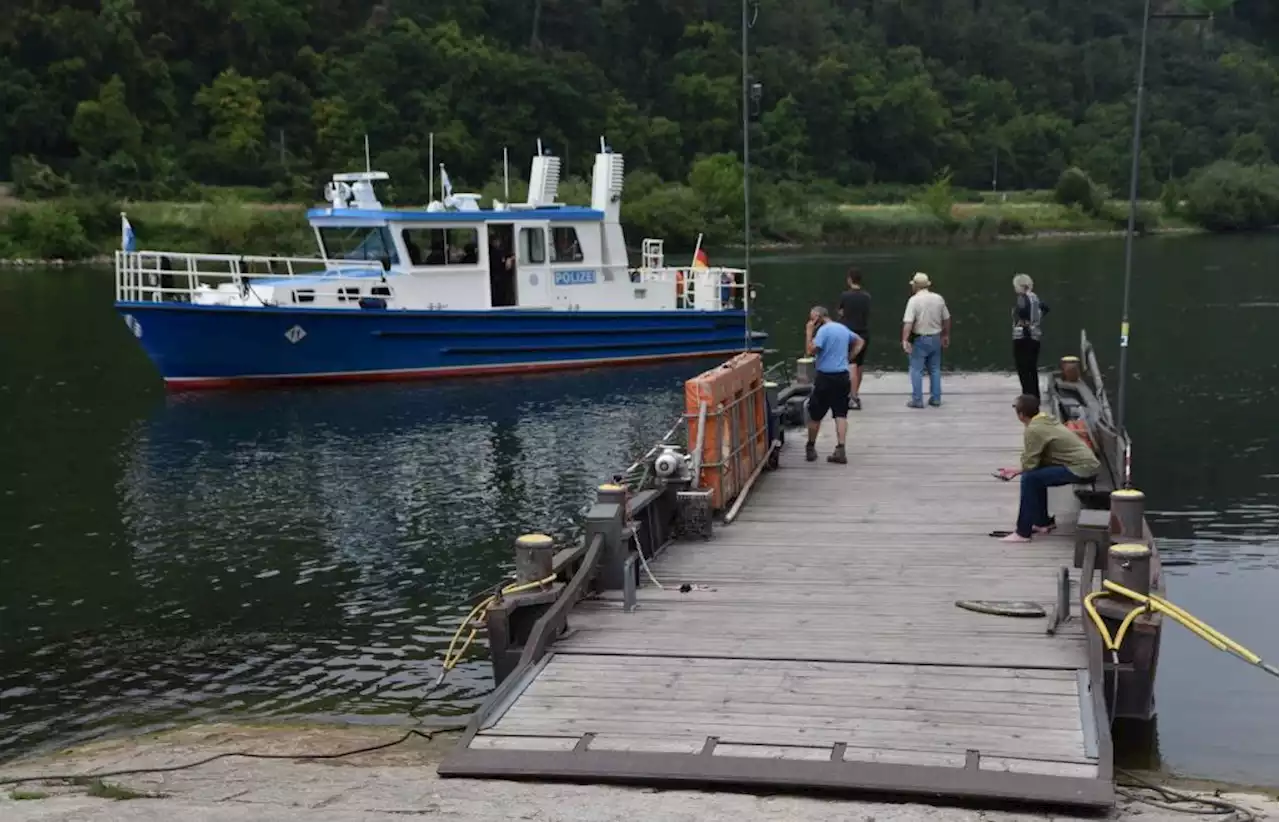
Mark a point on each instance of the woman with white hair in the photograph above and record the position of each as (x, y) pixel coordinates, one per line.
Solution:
(1028, 311)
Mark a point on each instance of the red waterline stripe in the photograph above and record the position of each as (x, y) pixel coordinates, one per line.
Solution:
(201, 383)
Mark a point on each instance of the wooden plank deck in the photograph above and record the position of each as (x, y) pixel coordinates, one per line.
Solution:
(822, 626)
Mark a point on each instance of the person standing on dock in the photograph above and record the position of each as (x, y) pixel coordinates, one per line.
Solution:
(832, 346)
(926, 331)
(1052, 455)
(855, 313)
(1028, 311)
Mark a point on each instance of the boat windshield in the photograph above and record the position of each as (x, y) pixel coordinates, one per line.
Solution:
(359, 243)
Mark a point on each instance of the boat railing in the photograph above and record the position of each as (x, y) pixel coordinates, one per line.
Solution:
(708, 289)
(176, 276)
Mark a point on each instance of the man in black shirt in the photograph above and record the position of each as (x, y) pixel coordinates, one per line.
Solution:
(855, 313)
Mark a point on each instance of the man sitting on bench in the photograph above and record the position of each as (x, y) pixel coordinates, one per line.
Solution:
(1052, 454)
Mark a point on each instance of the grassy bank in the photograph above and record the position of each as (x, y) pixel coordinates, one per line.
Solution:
(89, 227)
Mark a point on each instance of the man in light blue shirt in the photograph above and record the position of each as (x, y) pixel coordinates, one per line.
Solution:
(832, 346)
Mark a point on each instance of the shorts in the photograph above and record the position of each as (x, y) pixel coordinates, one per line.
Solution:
(866, 343)
(830, 393)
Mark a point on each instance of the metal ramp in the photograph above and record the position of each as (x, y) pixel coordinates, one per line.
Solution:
(820, 646)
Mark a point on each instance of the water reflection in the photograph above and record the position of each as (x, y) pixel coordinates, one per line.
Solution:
(302, 552)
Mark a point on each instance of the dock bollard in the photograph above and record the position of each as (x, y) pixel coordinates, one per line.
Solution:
(611, 494)
(534, 555)
(608, 518)
(805, 371)
(1127, 508)
(1129, 564)
(1070, 369)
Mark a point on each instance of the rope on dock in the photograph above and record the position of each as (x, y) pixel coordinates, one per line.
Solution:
(644, 563)
(1137, 789)
(100, 775)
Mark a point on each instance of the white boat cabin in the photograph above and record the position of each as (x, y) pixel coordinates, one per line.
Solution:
(456, 256)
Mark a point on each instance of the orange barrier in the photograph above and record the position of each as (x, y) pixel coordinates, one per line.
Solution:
(736, 437)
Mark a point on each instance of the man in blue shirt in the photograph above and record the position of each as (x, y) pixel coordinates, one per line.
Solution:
(832, 346)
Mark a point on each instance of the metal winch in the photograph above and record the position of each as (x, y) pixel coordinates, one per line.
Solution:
(671, 464)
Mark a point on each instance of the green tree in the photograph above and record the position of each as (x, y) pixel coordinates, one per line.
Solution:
(109, 136)
(233, 106)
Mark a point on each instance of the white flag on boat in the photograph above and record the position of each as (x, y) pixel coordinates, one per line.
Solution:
(445, 185)
(127, 241)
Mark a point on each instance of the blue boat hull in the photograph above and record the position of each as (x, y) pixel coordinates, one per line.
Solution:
(198, 346)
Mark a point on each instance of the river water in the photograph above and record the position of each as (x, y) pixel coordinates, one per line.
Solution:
(302, 553)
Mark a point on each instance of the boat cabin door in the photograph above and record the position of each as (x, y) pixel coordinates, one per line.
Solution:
(502, 266)
(533, 277)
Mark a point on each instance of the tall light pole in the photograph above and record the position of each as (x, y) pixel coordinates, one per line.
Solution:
(1133, 216)
(746, 137)
(746, 183)
(1135, 154)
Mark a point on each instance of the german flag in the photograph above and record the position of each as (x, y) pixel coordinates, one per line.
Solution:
(700, 260)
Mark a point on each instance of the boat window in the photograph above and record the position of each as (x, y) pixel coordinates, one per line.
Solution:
(533, 245)
(304, 295)
(359, 243)
(442, 246)
(564, 245)
(348, 294)
(380, 291)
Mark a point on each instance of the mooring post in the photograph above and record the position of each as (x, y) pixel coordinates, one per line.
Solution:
(804, 371)
(1128, 506)
(511, 617)
(608, 518)
(1069, 368)
(534, 555)
(1129, 565)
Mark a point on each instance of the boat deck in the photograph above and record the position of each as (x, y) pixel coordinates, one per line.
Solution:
(820, 645)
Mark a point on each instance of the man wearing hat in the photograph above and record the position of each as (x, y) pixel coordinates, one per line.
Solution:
(926, 330)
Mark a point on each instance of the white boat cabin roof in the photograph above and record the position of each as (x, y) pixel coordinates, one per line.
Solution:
(382, 216)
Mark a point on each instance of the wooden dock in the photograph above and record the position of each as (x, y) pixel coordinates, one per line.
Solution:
(820, 645)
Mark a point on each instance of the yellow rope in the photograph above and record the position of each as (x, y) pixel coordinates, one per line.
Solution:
(452, 658)
(1150, 602)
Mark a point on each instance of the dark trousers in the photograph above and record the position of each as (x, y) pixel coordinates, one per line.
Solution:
(1026, 358)
(1033, 509)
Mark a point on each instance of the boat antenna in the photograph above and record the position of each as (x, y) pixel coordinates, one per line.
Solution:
(431, 165)
(368, 166)
(506, 179)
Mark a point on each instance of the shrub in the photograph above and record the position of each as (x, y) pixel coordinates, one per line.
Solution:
(861, 227)
(1227, 196)
(670, 213)
(1145, 217)
(35, 180)
(49, 232)
(1012, 226)
(1076, 188)
(1171, 198)
(936, 198)
(99, 215)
